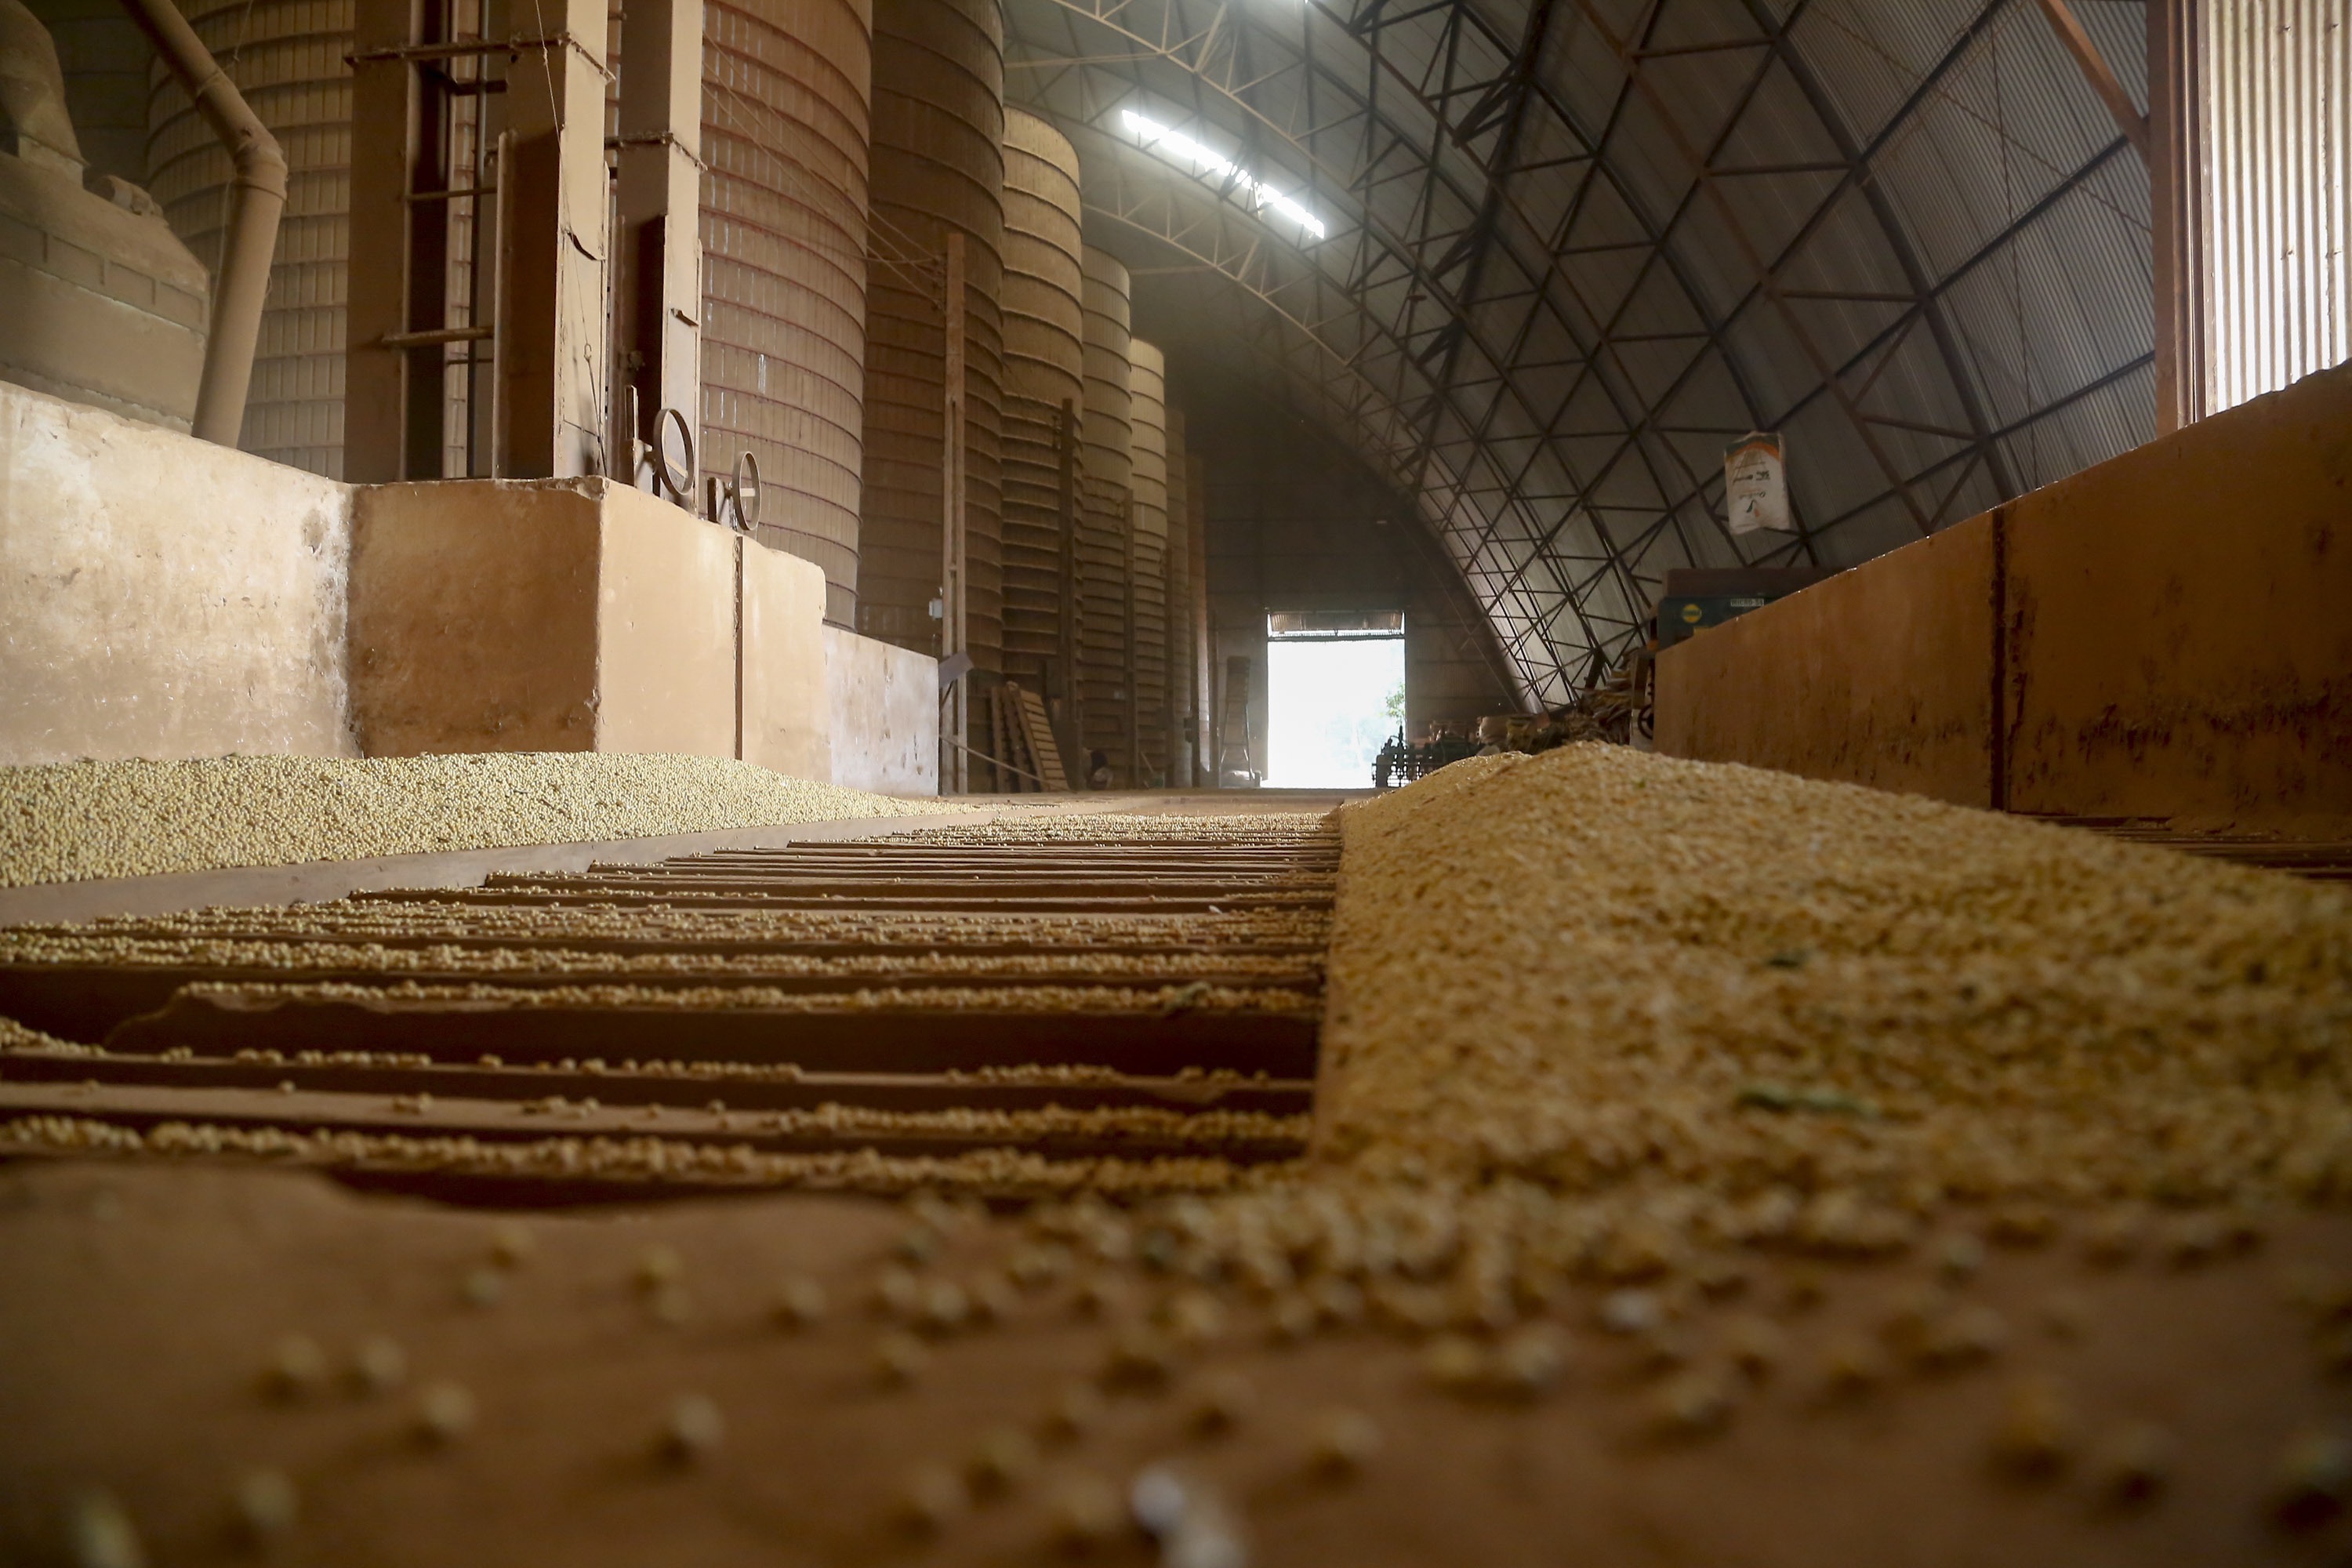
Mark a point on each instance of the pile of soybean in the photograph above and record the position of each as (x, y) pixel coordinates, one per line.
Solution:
(72, 821)
(1610, 974)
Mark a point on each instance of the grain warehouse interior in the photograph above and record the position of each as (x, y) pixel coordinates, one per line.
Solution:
(1195, 782)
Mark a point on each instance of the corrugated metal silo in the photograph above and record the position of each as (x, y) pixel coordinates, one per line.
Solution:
(1044, 368)
(286, 57)
(1106, 539)
(938, 169)
(1149, 422)
(785, 112)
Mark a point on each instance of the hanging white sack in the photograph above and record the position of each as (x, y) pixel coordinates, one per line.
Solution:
(1756, 484)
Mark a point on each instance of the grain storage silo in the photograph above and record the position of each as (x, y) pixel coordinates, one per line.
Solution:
(784, 118)
(938, 170)
(286, 57)
(1044, 368)
(1180, 603)
(1148, 423)
(1104, 543)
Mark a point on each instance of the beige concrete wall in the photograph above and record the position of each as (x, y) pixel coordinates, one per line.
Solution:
(1881, 675)
(473, 617)
(885, 706)
(2168, 634)
(787, 705)
(539, 616)
(2180, 622)
(163, 597)
(160, 596)
(665, 628)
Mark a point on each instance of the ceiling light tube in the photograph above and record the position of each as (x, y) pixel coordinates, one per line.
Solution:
(1177, 146)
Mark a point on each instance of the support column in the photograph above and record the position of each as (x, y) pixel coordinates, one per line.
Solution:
(955, 733)
(399, 246)
(1070, 729)
(551, 325)
(1133, 665)
(657, 241)
(1196, 503)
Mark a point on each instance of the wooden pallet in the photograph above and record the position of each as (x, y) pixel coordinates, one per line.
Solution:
(1026, 740)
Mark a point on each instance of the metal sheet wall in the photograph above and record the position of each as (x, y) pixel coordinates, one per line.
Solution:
(287, 58)
(784, 125)
(938, 169)
(1105, 541)
(1044, 368)
(2276, 77)
(1149, 422)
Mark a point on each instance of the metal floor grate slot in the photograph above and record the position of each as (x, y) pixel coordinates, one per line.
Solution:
(742, 1018)
(2315, 860)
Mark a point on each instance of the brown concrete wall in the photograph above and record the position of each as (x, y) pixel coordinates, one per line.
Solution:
(884, 708)
(160, 596)
(539, 616)
(664, 630)
(473, 617)
(572, 615)
(1881, 675)
(2180, 622)
(787, 706)
(2168, 634)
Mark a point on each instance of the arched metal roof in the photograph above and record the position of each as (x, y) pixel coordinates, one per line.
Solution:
(1574, 249)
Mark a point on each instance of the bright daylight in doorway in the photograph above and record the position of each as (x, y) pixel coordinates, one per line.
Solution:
(1335, 690)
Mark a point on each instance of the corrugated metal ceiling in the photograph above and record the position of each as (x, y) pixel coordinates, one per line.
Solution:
(1575, 247)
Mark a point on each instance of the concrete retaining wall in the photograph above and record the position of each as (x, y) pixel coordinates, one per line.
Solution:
(573, 615)
(2168, 634)
(539, 616)
(162, 596)
(885, 703)
(2179, 622)
(788, 709)
(474, 618)
(1805, 703)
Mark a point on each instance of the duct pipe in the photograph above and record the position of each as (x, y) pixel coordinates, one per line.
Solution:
(252, 241)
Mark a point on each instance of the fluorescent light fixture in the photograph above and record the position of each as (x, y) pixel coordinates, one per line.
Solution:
(1184, 149)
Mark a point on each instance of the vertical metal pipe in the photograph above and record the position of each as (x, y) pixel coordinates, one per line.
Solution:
(252, 241)
(957, 730)
(1068, 628)
(1196, 502)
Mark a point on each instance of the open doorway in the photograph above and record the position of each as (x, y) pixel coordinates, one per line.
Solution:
(1335, 691)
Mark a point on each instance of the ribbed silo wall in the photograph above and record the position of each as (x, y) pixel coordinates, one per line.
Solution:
(286, 57)
(1044, 368)
(1180, 598)
(1149, 422)
(1104, 541)
(786, 96)
(938, 169)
